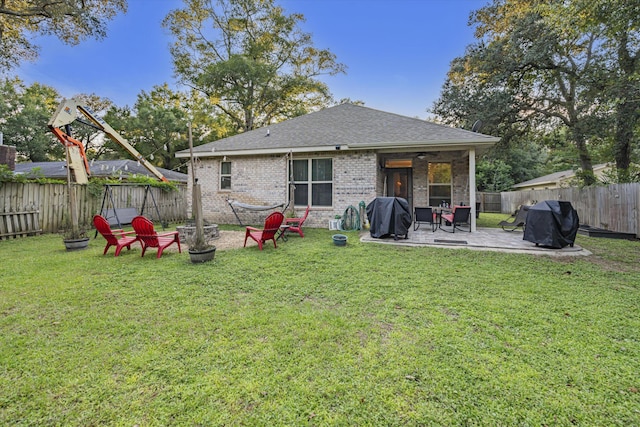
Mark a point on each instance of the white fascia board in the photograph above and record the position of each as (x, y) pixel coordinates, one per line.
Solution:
(221, 153)
(537, 183)
(455, 145)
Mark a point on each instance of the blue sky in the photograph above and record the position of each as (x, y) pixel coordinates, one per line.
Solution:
(397, 52)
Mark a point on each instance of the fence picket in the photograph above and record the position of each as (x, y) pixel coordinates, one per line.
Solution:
(51, 202)
(615, 207)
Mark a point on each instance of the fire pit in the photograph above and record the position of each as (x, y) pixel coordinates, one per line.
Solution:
(187, 233)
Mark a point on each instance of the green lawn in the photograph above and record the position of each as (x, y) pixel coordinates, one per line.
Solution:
(315, 334)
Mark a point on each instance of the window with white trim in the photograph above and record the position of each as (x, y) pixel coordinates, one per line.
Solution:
(313, 181)
(439, 183)
(225, 175)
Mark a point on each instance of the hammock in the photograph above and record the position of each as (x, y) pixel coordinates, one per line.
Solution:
(235, 204)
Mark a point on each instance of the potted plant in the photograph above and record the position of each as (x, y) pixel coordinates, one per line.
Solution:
(74, 237)
(199, 249)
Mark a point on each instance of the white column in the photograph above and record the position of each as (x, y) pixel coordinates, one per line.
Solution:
(472, 186)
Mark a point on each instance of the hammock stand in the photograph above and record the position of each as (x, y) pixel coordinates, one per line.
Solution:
(235, 204)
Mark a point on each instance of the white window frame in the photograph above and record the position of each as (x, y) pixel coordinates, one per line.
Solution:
(310, 182)
(449, 184)
(225, 175)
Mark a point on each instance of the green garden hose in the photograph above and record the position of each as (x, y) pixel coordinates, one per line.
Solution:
(351, 219)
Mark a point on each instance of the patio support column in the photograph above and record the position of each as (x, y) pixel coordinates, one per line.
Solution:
(472, 186)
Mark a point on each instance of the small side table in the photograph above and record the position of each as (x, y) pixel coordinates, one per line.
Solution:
(283, 233)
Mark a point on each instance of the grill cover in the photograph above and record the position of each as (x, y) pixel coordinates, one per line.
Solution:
(389, 215)
(552, 223)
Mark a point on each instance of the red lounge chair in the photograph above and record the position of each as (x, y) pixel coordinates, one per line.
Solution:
(271, 227)
(114, 237)
(295, 224)
(150, 238)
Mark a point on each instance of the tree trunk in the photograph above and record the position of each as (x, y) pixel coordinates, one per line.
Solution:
(586, 165)
(248, 120)
(626, 110)
(625, 123)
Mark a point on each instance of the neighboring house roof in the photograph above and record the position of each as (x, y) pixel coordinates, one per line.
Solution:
(99, 168)
(555, 179)
(344, 127)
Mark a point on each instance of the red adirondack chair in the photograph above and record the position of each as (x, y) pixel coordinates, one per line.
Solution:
(295, 224)
(271, 227)
(114, 237)
(152, 239)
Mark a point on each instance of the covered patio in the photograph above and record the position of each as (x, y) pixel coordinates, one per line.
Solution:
(484, 239)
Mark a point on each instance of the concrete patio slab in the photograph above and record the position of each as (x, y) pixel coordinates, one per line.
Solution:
(485, 239)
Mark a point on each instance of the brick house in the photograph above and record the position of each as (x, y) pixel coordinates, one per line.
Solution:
(336, 158)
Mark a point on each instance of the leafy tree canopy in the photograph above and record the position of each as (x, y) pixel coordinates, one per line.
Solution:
(157, 125)
(250, 56)
(24, 114)
(540, 66)
(72, 21)
(493, 175)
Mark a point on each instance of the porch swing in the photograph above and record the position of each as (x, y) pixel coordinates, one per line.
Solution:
(119, 216)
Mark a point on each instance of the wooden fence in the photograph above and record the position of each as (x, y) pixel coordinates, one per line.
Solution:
(50, 203)
(489, 202)
(615, 207)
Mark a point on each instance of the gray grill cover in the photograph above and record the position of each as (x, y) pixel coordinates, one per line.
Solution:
(389, 215)
(552, 223)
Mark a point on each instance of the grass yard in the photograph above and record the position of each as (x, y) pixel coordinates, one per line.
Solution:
(315, 334)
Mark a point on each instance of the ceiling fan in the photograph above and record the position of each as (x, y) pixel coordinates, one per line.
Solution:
(422, 155)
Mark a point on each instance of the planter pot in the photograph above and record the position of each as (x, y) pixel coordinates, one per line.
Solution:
(203, 255)
(339, 239)
(76, 244)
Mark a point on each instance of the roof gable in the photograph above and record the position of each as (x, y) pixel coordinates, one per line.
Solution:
(345, 125)
(556, 177)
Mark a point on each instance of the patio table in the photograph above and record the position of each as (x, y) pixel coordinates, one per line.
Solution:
(439, 211)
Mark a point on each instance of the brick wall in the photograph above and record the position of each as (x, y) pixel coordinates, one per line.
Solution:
(256, 181)
(357, 177)
(459, 168)
(263, 181)
(460, 171)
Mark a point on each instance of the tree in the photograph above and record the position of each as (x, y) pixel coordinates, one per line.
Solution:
(157, 125)
(72, 21)
(251, 57)
(541, 75)
(618, 22)
(27, 111)
(566, 64)
(494, 175)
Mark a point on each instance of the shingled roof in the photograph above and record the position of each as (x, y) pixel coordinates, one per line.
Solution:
(556, 178)
(351, 127)
(99, 168)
